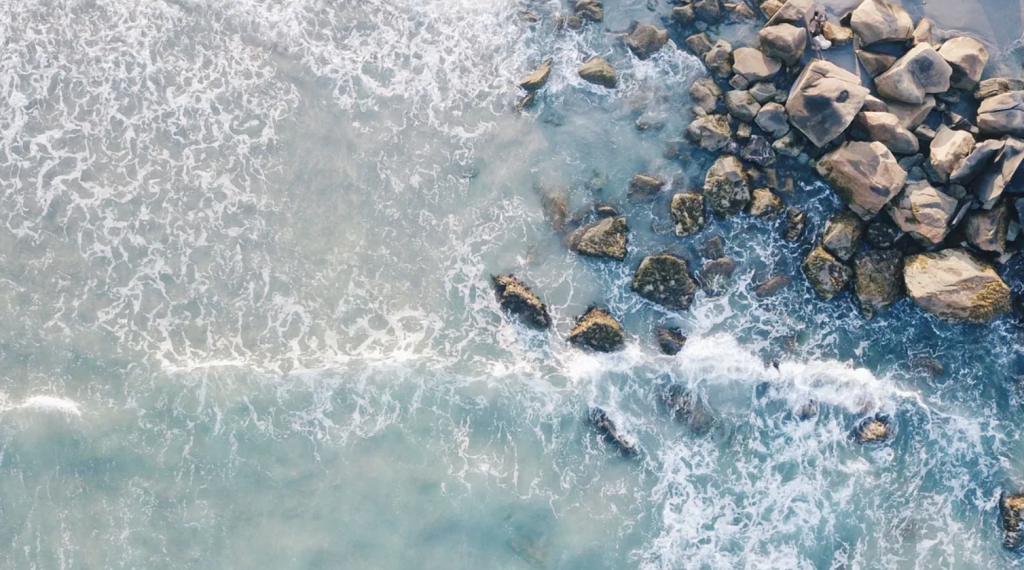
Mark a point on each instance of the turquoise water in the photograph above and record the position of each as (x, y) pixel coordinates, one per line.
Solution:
(247, 320)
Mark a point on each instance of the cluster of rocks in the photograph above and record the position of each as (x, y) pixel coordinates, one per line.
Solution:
(933, 224)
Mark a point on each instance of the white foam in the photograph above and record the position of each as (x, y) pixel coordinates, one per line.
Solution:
(51, 404)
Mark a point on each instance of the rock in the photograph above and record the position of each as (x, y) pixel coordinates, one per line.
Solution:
(699, 44)
(688, 408)
(826, 274)
(784, 42)
(718, 59)
(517, 299)
(705, 94)
(758, 151)
(878, 21)
(873, 104)
(878, 280)
(644, 187)
(743, 132)
(997, 86)
(709, 11)
(556, 209)
(687, 210)
(919, 72)
(715, 275)
(763, 178)
(990, 186)
(684, 15)
(604, 423)
(790, 144)
(765, 204)
(741, 104)
(646, 39)
(597, 71)
(1011, 510)
(538, 78)
(924, 134)
(923, 32)
(670, 340)
(763, 92)
(873, 430)
(842, 234)
(596, 330)
(882, 234)
(771, 7)
(739, 83)
(603, 238)
(1002, 114)
(663, 279)
(726, 189)
(713, 248)
(954, 285)
(773, 120)
(949, 149)
(740, 12)
(967, 56)
(986, 229)
(875, 63)
(792, 11)
(865, 175)
(754, 65)
(592, 10)
(838, 35)
(526, 101)
(982, 155)
(910, 115)
(772, 286)
(796, 221)
(886, 129)
(710, 133)
(926, 365)
(824, 101)
(923, 212)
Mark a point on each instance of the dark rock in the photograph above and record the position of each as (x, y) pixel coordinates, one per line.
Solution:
(808, 410)
(763, 92)
(842, 234)
(599, 72)
(875, 63)
(796, 221)
(924, 134)
(873, 430)
(689, 408)
(882, 234)
(517, 299)
(555, 207)
(826, 274)
(596, 330)
(991, 184)
(986, 229)
(790, 144)
(684, 15)
(663, 279)
(687, 209)
(645, 187)
(739, 83)
(977, 161)
(592, 10)
(773, 285)
(604, 423)
(713, 248)
(708, 11)
(726, 189)
(716, 274)
(773, 120)
(878, 280)
(758, 151)
(646, 39)
(670, 340)
(603, 238)
(926, 365)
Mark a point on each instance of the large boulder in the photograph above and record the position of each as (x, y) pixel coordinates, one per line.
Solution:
(1002, 114)
(753, 65)
(538, 78)
(705, 94)
(719, 58)
(663, 279)
(986, 229)
(791, 11)
(517, 299)
(796, 222)
(923, 212)
(726, 188)
(773, 120)
(886, 129)
(604, 423)
(842, 234)
(710, 133)
(826, 274)
(1011, 510)
(967, 56)
(948, 151)
(954, 285)
(919, 72)
(824, 101)
(646, 39)
(596, 330)
(784, 42)
(865, 175)
(603, 238)
(599, 72)
(687, 210)
(742, 105)
(878, 280)
(991, 184)
(878, 21)
(982, 155)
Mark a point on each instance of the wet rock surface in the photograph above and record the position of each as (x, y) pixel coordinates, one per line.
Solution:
(664, 279)
(955, 285)
(517, 299)
(603, 238)
(597, 331)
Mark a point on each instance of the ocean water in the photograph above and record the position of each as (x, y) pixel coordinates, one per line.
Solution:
(246, 319)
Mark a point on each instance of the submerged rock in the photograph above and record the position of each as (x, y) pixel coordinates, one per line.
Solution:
(878, 21)
(772, 286)
(596, 330)
(715, 275)
(826, 274)
(954, 285)
(603, 238)
(709, 11)
(923, 212)
(646, 39)
(726, 188)
(644, 187)
(687, 209)
(663, 279)
(824, 101)
(877, 429)
(599, 72)
(713, 248)
(865, 175)
(784, 42)
(1002, 114)
(604, 423)
(517, 299)
(592, 10)
(1011, 509)
(967, 56)
(556, 209)
(878, 280)
(926, 365)
(920, 72)
(796, 221)
(948, 151)
(688, 408)
(842, 234)
(538, 78)
(670, 340)
(710, 133)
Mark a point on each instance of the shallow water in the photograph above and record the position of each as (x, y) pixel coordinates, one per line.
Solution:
(247, 319)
